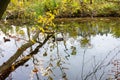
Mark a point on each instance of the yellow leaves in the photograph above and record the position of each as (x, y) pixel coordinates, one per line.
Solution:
(14, 1)
(64, 1)
(33, 29)
(41, 29)
(46, 20)
(21, 3)
(21, 32)
(85, 1)
(18, 3)
(56, 12)
(50, 15)
(33, 41)
(41, 19)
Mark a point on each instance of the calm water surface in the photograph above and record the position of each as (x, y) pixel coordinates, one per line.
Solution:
(89, 51)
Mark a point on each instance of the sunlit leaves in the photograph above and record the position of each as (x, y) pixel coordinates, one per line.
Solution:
(14, 1)
(33, 41)
(46, 20)
(41, 29)
(21, 32)
(56, 12)
(17, 3)
(41, 19)
(33, 29)
(21, 3)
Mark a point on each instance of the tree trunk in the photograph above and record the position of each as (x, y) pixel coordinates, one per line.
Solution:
(90, 1)
(3, 6)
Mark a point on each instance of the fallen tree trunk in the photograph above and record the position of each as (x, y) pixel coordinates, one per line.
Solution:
(19, 52)
(5, 73)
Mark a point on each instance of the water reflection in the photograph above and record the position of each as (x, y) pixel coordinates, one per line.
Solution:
(77, 51)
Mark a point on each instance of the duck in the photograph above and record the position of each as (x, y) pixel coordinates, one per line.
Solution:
(6, 39)
(57, 39)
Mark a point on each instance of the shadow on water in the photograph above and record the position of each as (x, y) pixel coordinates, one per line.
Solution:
(76, 51)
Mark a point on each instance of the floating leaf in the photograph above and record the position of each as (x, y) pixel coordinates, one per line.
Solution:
(51, 65)
(50, 78)
(35, 70)
(45, 74)
(65, 68)
(58, 63)
(45, 54)
(73, 51)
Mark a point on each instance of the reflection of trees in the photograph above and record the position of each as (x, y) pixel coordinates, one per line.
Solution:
(88, 29)
(116, 32)
(91, 28)
(84, 30)
(85, 42)
(98, 69)
(57, 61)
(12, 63)
(60, 63)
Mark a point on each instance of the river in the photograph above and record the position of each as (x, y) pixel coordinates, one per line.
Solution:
(82, 50)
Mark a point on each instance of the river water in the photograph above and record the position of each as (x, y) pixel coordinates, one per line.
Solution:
(90, 51)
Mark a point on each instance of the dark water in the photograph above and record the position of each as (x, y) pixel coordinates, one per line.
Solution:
(90, 51)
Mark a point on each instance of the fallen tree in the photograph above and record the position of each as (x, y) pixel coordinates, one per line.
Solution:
(12, 64)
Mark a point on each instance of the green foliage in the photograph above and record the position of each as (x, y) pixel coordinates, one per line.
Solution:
(32, 9)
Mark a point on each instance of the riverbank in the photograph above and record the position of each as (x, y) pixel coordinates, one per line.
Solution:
(61, 9)
(86, 19)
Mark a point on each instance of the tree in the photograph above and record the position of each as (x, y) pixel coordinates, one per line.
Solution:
(3, 6)
(90, 1)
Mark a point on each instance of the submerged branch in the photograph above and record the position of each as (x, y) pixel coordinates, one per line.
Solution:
(19, 52)
(5, 73)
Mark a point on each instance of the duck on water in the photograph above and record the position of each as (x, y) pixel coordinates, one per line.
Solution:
(6, 39)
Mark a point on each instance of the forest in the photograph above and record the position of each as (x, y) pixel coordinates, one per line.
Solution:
(62, 8)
